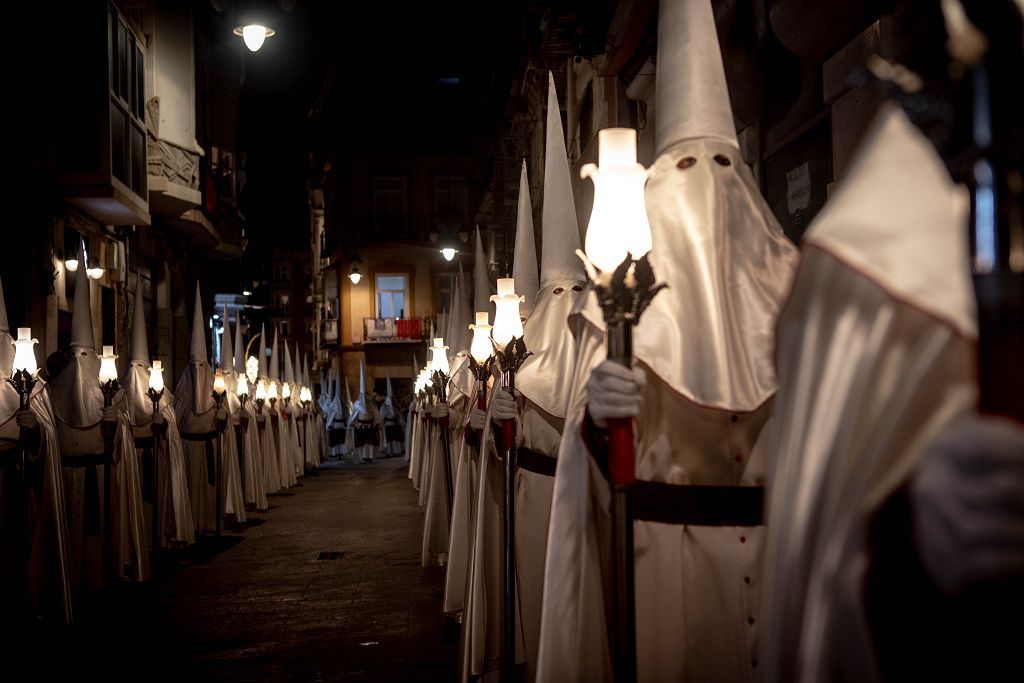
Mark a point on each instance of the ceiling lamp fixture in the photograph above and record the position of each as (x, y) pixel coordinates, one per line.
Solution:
(254, 35)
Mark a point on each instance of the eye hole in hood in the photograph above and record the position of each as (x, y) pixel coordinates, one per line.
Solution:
(686, 162)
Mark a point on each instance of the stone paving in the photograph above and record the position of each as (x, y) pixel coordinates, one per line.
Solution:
(256, 605)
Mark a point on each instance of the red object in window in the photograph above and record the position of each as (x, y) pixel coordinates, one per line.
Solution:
(408, 328)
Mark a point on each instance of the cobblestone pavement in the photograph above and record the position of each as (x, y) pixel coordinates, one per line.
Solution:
(256, 605)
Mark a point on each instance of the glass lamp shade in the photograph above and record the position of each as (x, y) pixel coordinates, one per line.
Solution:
(108, 369)
(272, 390)
(156, 376)
(94, 272)
(355, 277)
(618, 223)
(254, 35)
(448, 253)
(252, 369)
(507, 323)
(261, 390)
(438, 357)
(242, 388)
(24, 355)
(218, 383)
(286, 390)
(305, 395)
(71, 264)
(480, 348)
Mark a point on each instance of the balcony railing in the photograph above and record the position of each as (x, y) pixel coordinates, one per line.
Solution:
(377, 330)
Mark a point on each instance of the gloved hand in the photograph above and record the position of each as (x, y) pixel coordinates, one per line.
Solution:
(614, 391)
(477, 419)
(967, 502)
(439, 411)
(504, 406)
(27, 420)
(109, 414)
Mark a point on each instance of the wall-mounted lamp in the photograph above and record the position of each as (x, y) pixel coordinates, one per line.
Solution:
(353, 273)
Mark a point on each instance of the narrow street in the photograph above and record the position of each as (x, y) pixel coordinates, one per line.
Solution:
(259, 606)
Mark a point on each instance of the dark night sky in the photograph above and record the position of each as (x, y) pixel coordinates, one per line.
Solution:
(385, 60)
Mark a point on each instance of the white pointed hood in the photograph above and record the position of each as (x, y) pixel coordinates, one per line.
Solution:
(82, 336)
(524, 262)
(348, 394)
(460, 317)
(193, 395)
(6, 347)
(289, 370)
(461, 337)
(275, 365)
(197, 345)
(560, 230)
(263, 352)
(388, 408)
(337, 408)
(4, 325)
(225, 364)
(361, 405)
(227, 367)
(899, 219)
(239, 353)
(481, 283)
(75, 392)
(877, 357)
(692, 100)
(140, 340)
(715, 241)
(136, 377)
(541, 379)
(9, 400)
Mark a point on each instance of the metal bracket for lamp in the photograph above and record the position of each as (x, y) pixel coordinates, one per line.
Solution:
(481, 372)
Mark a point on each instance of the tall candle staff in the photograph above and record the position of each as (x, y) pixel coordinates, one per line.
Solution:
(618, 241)
(510, 352)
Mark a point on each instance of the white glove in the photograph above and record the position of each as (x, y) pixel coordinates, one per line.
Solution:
(614, 391)
(440, 410)
(477, 419)
(504, 407)
(967, 502)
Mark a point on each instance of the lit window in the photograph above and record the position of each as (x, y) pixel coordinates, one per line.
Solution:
(391, 295)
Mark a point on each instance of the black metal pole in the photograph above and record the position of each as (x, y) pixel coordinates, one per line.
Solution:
(441, 380)
(508, 637)
(157, 497)
(620, 350)
(216, 479)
